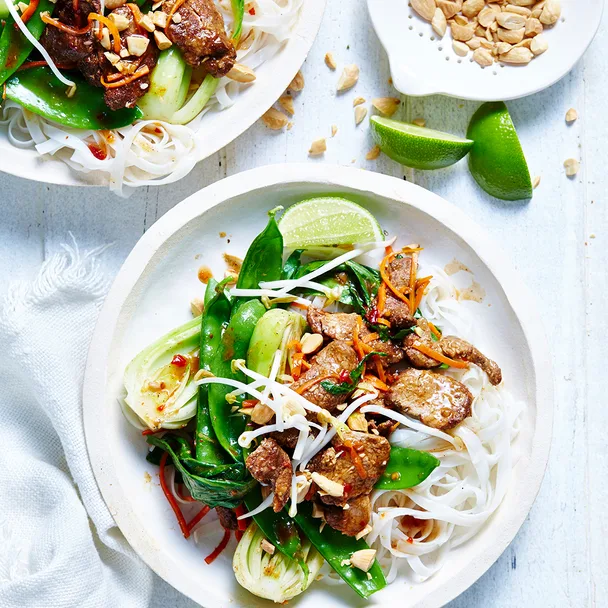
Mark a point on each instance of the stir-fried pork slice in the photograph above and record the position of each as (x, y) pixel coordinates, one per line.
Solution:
(457, 348)
(436, 400)
(198, 30)
(67, 48)
(227, 518)
(350, 520)
(286, 439)
(384, 429)
(342, 326)
(126, 96)
(335, 358)
(396, 310)
(269, 464)
(450, 346)
(356, 462)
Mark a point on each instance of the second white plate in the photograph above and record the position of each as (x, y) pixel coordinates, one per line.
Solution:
(422, 64)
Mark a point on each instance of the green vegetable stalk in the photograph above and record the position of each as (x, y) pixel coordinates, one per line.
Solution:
(39, 90)
(14, 46)
(406, 468)
(229, 425)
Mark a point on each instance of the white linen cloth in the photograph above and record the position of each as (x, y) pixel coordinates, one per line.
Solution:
(59, 546)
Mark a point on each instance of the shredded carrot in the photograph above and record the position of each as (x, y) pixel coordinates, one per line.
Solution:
(216, 552)
(433, 354)
(250, 402)
(197, 518)
(136, 12)
(356, 342)
(151, 432)
(114, 77)
(241, 523)
(384, 274)
(306, 364)
(46, 18)
(381, 298)
(384, 322)
(308, 385)
(171, 499)
(296, 369)
(376, 382)
(110, 25)
(119, 83)
(366, 348)
(380, 369)
(413, 270)
(28, 13)
(434, 330)
(172, 12)
(354, 456)
(388, 250)
(418, 299)
(299, 305)
(296, 345)
(370, 337)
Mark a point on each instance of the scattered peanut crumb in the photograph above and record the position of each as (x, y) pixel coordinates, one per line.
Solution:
(222, 234)
(197, 306)
(147, 477)
(286, 102)
(349, 77)
(592, 236)
(571, 115)
(420, 122)
(330, 61)
(357, 101)
(536, 182)
(297, 84)
(289, 125)
(360, 114)
(318, 147)
(572, 166)
(334, 130)
(386, 105)
(373, 154)
(274, 119)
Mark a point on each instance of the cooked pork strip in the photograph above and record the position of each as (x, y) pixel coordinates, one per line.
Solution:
(336, 357)
(450, 346)
(436, 400)
(396, 310)
(201, 36)
(336, 463)
(227, 518)
(341, 326)
(352, 520)
(269, 464)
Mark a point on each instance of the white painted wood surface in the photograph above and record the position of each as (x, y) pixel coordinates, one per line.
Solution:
(558, 243)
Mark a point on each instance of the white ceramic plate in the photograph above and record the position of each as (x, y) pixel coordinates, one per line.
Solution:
(151, 295)
(423, 64)
(220, 128)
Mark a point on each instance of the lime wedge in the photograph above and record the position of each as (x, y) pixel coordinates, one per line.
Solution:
(418, 147)
(497, 161)
(328, 221)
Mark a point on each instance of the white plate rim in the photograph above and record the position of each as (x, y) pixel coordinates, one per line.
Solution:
(423, 88)
(285, 66)
(519, 297)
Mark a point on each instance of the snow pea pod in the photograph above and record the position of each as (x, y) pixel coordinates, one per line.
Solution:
(406, 468)
(227, 425)
(263, 260)
(337, 549)
(38, 90)
(214, 316)
(14, 46)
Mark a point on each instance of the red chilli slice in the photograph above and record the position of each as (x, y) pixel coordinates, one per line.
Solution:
(197, 518)
(218, 550)
(171, 499)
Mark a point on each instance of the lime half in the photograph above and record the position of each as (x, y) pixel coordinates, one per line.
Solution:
(327, 221)
(418, 147)
(497, 161)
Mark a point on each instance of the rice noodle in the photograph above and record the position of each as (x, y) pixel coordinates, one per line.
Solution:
(455, 501)
(154, 152)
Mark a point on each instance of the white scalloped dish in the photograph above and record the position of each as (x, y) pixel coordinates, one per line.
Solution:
(423, 64)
